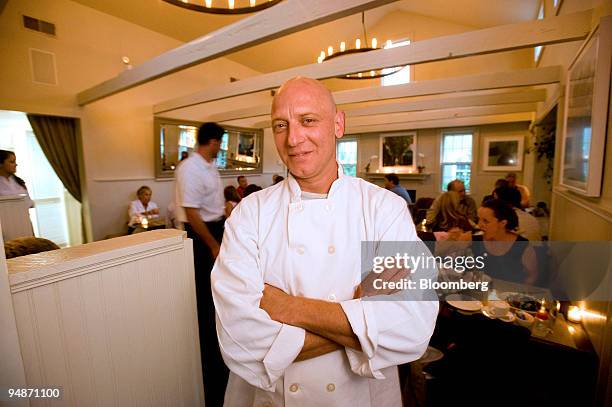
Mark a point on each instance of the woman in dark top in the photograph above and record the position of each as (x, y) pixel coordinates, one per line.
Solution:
(508, 256)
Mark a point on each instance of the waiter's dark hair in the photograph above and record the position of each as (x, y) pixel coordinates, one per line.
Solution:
(502, 211)
(4, 155)
(209, 131)
(392, 178)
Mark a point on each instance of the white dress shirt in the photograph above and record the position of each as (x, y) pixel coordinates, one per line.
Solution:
(312, 248)
(9, 186)
(136, 208)
(198, 185)
(528, 226)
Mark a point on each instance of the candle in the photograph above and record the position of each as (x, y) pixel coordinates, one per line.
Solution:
(574, 314)
(145, 222)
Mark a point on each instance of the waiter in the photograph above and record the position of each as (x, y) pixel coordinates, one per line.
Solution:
(200, 206)
(292, 324)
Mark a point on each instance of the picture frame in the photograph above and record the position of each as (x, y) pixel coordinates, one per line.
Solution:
(585, 114)
(398, 152)
(503, 153)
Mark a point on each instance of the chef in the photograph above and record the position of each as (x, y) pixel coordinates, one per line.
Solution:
(293, 324)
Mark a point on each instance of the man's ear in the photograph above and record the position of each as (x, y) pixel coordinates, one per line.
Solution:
(339, 124)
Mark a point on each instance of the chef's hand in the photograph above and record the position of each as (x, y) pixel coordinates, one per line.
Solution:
(275, 302)
(367, 288)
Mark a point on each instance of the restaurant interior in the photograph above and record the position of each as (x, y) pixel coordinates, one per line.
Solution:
(102, 97)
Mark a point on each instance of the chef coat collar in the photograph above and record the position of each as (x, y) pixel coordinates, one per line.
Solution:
(296, 191)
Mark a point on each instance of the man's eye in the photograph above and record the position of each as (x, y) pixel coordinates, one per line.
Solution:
(309, 120)
(279, 126)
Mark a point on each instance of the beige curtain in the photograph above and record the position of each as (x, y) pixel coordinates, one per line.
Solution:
(57, 137)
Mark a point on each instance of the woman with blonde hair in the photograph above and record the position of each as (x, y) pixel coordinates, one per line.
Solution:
(448, 216)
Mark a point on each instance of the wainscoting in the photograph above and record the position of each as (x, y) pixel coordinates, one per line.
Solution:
(111, 322)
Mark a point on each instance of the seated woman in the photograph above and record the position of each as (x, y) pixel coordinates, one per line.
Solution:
(143, 206)
(448, 216)
(231, 199)
(507, 255)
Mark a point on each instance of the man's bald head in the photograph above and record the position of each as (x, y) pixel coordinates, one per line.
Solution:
(304, 84)
(306, 124)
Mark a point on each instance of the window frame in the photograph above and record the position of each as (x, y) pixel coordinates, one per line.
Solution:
(456, 132)
(349, 140)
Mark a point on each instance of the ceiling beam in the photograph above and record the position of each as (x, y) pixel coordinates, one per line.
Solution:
(284, 18)
(568, 27)
(443, 123)
(448, 101)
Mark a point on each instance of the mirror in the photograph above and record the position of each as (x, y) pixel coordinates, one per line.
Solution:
(241, 148)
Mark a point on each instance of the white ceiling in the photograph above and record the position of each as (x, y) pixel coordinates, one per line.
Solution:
(186, 25)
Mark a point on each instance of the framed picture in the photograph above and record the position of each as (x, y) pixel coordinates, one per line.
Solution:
(586, 113)
(503, 153)
(398, 152)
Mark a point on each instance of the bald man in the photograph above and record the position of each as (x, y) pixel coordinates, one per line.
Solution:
(292, 322)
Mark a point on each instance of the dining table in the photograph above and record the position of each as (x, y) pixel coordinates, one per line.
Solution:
(488, 361)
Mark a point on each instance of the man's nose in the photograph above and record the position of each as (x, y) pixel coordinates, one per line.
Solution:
(295, 135)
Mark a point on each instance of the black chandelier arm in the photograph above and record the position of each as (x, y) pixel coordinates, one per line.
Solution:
(221, 10)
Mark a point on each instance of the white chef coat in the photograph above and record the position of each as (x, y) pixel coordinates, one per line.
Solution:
(136, 208)
(198, 185)
(311, 248)
(9, 186)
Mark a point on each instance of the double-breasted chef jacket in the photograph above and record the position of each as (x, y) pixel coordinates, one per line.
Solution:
(311, 248)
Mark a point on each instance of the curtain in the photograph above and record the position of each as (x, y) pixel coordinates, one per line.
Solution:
(57, 137)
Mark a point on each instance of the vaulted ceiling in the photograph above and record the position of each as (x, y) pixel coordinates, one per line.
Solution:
(303, 47)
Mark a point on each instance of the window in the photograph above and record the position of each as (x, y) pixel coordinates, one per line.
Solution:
(400, 77)
(456, 158)
(537, 51)
(346, 154)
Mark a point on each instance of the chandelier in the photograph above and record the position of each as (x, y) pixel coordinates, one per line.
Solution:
(359, 47)
(224, 6)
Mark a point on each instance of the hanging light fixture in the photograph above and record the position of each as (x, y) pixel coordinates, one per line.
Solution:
(359, 47)
(224, 6)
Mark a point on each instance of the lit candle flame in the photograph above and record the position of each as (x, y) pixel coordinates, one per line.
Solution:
(342, 46)
(374, 43)
(253, 3)
(208, 3)
(231, 4)
(357, 43)
(330, 50)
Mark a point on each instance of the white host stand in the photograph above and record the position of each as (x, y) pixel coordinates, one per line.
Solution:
(112, 322)
(15, 217)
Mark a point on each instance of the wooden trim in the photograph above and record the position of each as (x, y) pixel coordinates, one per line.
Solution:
(64, 264)
(584, 204)
(285, 18)
(570, 27)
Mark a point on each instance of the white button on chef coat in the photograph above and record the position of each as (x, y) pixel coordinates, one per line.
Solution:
(332, 297)
(330, 387)
(293, 388)
(257, 249)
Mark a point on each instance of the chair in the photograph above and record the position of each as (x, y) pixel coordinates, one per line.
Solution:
(412, 193)
(420, 209)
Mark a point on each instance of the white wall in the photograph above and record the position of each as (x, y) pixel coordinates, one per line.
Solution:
(429, 142)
